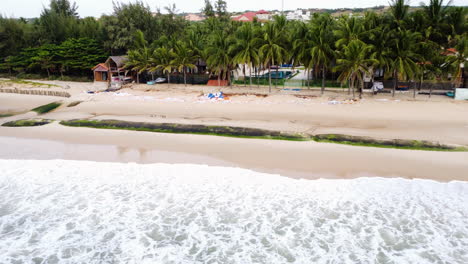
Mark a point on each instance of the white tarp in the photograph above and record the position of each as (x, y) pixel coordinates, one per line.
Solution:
(461, 94)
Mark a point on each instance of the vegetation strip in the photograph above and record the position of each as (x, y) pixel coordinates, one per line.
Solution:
(35, 84)
(46, 108)
(27, 122)
(242, 132)
(227, 131)
(386, 143)
(75, 103)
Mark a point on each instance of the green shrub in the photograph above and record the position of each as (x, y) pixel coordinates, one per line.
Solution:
(34, 84)
(46, 108)
(27, 123)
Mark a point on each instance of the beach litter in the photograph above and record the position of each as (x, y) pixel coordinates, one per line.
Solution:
(216, 96)
(348, 101)
(294, 90)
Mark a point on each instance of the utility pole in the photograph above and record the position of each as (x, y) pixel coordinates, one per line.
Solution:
(282, 7)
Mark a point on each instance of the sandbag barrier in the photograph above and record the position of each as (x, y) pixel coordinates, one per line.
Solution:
(36, 92)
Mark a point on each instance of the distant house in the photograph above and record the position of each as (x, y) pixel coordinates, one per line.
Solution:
(261, 15)
(194, 17)
(114, 69)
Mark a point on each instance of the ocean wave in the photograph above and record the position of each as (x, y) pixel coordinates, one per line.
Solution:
(60, 211)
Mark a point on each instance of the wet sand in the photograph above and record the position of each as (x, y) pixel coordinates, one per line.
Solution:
(309, 160)
(437, 119)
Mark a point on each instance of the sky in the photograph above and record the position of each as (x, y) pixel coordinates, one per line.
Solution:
(33, 8)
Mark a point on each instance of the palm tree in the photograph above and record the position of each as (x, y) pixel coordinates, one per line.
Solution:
(246, 48)
(183, 59)
(322, 52)
(302, 44)
(271, 51)
(353, 63)
(348, 29)
(139, 59)
(459, 59)
(403, 58)
(399, 12)
(435, 13)
(164, 60)
(379, 40)
(219, 58)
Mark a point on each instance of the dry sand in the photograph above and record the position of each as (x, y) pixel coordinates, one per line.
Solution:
(438, 119)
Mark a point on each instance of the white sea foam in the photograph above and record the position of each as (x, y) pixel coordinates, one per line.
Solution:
(86, 212)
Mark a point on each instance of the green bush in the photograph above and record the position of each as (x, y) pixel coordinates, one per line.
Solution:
(27, 123)
(46, 108)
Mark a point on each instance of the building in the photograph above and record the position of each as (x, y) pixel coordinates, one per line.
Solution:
(194, 17)
(100, 72)
(261, 15)
(114, 69)
(299, 14)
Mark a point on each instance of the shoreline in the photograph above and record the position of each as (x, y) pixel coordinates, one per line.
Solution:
(439, 119)
(303, 159)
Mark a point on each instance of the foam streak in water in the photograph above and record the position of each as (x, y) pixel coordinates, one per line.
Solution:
(87, 212)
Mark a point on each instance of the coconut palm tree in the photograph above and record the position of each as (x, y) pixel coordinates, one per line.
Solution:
(139, 58)
(219, 59)
(459, 59)
(322, 52)
(184, 59)
(245, 48)
(271, 50)
(399, 12)
(164, 60)
(302, 44)
(435, 13)
(353, 62)
(348, 29)
(379, 40)
(403, 58)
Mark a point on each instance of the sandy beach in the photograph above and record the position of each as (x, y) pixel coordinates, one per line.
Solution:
(438, 119)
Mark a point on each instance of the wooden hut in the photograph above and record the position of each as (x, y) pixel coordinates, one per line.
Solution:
(100, 72)
(112, 70)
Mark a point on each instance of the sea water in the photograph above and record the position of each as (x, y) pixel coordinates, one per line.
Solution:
(87, 212)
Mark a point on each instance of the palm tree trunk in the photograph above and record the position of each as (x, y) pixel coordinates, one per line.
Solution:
(168, 79)
(308, 78)
(250, 74)
(420, 83)
(352, 85)
(276, 79)
(349, 87)
(323, 80)
(245, 81)
(219, 79)
(185, 77)
(138, 77)
(395, 82)
(414, 90)
(362, 89)
(269, 78)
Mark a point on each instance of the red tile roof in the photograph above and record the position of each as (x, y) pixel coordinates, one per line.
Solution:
(100, 67)
(249, 16)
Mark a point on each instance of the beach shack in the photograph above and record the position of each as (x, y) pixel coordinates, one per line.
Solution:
(100, 72)
(113, 72)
